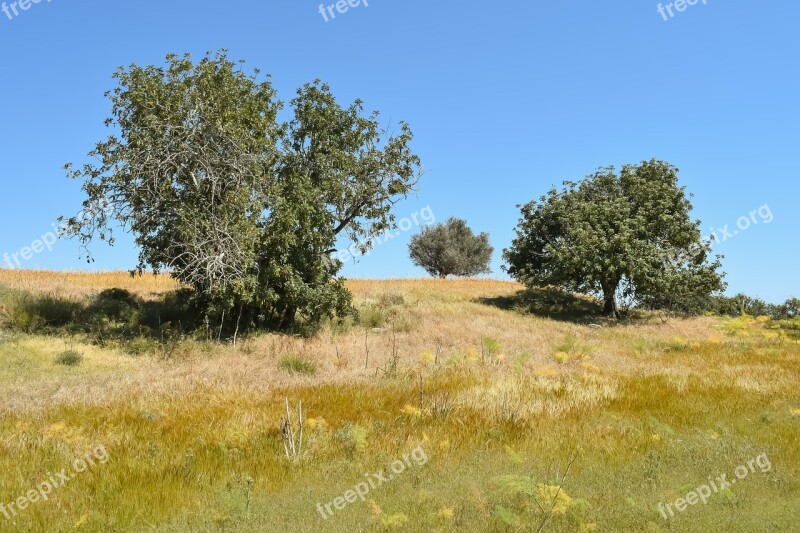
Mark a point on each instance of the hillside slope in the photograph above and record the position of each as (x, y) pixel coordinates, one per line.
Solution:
(488, 405)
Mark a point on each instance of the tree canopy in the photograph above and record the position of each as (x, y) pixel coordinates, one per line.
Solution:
(241, 207)
(619, 235)
(451, 249)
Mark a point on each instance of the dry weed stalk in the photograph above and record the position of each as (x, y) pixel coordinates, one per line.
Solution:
(548, 514)
(291, 445)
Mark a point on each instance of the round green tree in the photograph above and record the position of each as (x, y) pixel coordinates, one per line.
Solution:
(617, 235)
(451, 249)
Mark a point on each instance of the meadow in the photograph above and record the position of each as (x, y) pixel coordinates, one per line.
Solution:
(531, 417)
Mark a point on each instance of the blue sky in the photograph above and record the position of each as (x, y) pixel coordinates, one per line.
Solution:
(506, 99)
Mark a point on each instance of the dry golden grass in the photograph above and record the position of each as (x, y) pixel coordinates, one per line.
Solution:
(80, 284)
(655, 407)
(446, 317)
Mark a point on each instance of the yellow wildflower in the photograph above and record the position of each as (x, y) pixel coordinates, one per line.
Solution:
(562, 357)
(446, 513)
(555, 496)
(411, 410)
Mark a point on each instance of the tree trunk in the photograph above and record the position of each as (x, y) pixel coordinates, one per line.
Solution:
(288, 317)
(610, 302)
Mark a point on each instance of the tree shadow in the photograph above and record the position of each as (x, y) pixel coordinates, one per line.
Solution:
(117, 315)
(552, 303)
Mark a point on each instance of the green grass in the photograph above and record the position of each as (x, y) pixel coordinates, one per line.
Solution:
(188, 467)
(69, 358)
(297, 365)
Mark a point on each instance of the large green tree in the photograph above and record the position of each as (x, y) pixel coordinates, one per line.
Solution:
(618, 235)
(241, 207)
(451, 249)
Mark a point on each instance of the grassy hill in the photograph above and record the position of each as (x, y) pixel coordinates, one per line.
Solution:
(479, 406)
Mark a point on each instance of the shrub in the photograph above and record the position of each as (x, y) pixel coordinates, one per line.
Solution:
(389, 299)
(69, 358)
(742, 304)
(791, 308)
(402, 323)
(571, 349)
(18, 312)
(54, 311)
(297, 365)
(352, 437)
(372, 317)
(29, 313)
(490, 346)
(140, 346)
(677, 345)
(178, 307)
(341, 325)
(116, 305)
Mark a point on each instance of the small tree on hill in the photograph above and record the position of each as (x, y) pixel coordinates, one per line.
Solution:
(626, 235)
(451, 249)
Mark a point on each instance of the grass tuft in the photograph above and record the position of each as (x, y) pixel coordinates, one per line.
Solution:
(69, 358)
(297, 365)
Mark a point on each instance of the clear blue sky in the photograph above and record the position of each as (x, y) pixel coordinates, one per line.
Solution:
(505, 98)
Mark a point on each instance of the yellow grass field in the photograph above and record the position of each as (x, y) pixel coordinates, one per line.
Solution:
(486, 409)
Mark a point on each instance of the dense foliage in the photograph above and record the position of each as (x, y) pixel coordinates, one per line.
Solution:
(741, 304)
(239, 206)
(451, 249)
(625, 235)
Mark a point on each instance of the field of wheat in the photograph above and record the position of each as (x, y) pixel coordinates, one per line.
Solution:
(501, 420)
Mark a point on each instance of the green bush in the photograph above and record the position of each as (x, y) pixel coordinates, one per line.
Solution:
(402, 323)
(114, 305)
(29, 313)
(352, 437)
(297, 365)
(18, 312)
(69, 358)
(179, 307)
(55, 312)
(372, 317)
(140, 346)
(742, 304)
(388, 311)
(341, 325)
(389, 299)
(573, 347)
(490, 347)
